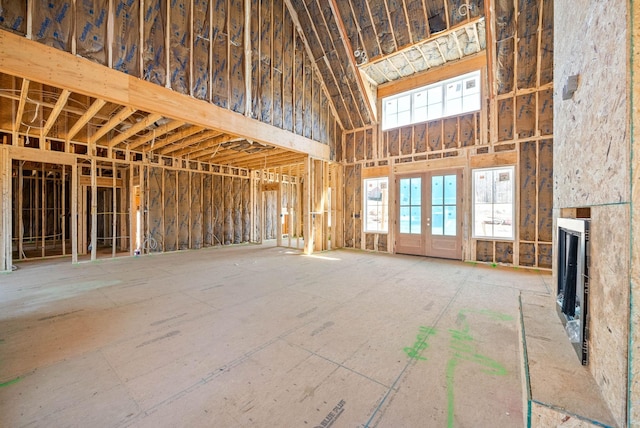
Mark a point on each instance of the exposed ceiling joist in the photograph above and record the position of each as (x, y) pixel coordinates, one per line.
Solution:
(115, 120)
(138, 127)
(155, 133)
(85, 118)
(197, 138)
(210, 145)
(62, 100)
(157, 145)
(24, 91)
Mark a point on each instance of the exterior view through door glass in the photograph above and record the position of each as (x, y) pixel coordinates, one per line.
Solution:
(428, 214)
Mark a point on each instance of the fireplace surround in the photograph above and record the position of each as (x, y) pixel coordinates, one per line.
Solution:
(573, 282)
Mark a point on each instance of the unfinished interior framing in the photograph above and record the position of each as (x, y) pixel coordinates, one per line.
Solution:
(136, 127)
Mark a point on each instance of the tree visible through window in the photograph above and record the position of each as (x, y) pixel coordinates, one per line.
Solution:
(376, 205)
(447, 98)
(493, 203)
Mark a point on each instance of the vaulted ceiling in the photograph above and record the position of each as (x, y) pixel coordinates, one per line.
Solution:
(354, 45)
(386, 40)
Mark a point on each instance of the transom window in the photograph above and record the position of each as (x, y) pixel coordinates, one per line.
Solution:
(447, 98)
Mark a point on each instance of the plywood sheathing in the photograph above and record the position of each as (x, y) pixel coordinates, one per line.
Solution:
(593, 146)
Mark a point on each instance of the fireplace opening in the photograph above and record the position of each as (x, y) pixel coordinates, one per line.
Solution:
(573, 281)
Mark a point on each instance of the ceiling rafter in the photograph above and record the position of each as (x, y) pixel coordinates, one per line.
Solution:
(155, 133)
(140, 126)
(57, 109)
(85, 118)
(352, 59)
(296, 23)
(210, 144)
(124, 113)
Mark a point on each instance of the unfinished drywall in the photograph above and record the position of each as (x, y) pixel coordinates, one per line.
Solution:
(591, 169)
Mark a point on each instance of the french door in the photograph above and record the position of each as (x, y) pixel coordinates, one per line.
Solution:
(429, 214)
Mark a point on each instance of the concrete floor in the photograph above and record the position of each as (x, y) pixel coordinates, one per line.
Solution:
(259, 336)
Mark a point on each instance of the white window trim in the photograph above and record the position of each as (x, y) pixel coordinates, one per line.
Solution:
(442, 84)
(513, 204)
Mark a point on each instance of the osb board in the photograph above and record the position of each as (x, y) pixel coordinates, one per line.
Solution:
(543, 417)
(592, 128)
(504, 252)
(554, 368)
(545, 190)
(170, 198)
(545, 112)
(526, 115)
(528, 185)
(450, 127)
(527, 254)
(420, 137)
(505, 119)
(406, 140)
(484, 251)
(609, 322)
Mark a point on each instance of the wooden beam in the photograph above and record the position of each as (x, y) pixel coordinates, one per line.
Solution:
(447, 71)
(23, 101)
(124, 113)
(144, 123)
(155, 133)
(62, 100)
(34, 61)
(85, 118)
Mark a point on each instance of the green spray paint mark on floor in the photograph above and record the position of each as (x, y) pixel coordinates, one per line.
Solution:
(11, 382)
(420, 344)
(463, 350)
